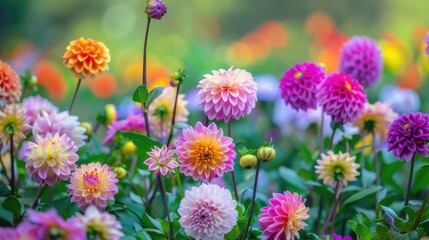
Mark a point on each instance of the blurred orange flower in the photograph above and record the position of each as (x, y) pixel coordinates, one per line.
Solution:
(157, 74)
(49, 77)
(411, 78)
(104, 85)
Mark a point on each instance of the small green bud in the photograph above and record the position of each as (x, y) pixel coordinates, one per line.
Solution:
(248, 161)
(266, 154)
(120, 172)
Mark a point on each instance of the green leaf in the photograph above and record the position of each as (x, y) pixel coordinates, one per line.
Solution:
(141, 235)
(363, 232)
(151, 222)
(291, 177)
(144, 143)
(141, 94)
(154, 94)
(233, 234)
(12, 204)
(359, 195)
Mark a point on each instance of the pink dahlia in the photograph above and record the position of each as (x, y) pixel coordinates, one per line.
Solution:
(409, 134)
(298, 85)
(204, 153)
(361, 58)
(207, 212)
(52, 226)
(10, 85)
(100, 225)
(284, 217)
(133, 122)
(93, 184)
(51, 158)
(342, 97)
(24, 231)
(227, 94)
(35, 105)
(161, 160)
(61, 123)
(156, 9)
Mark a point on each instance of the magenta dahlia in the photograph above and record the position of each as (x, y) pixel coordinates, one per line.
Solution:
(227, 94)
(298, 85)
(341, 97)
(409, 134)
(361, 58)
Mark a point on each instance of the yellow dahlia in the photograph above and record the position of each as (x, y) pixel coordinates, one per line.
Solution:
(337, 167)
(13, 120)
(10, 85)
(86, 57)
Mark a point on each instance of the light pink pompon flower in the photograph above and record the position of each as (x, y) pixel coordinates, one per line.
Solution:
(52, 226)
(204, 153)
(161, 160)
(93, 184)
(35, 105)
(51, 158)
(133, 122)
(24, 231)
(99, 224)
(61, 123)
(284, 217)
(227, 94)
(207, 212)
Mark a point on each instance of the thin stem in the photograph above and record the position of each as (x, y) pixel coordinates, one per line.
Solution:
(12, 165)
(252, 204)
(173, 119)
(144, 78)
(410, 180)
(322, 122)
(377, 167)
(331, 141)
(164, 196)
(422, 209)
(234, 183)
(321, 149)
(39, 193)
(75, 94)
(334, 206)
(319, 214)
(4, 170)
(152, 196)
(179, 183)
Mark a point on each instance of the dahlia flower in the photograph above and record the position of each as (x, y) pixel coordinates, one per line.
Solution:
(93, 184)
(284, 216)
(101, 225)
(133, 122)
(161, 160)
(10, 85)
(35, 105)
(52, 226)
(51, 158)
(227, 94)
(204, 153)
(409, 134)
(156, 9)
(342, 97)
(361, 58)
(376, 118)
(86, 57)
(161, 112)
(24, 231)
(337, 167)
(207, 212)
(12, 118)
(61, 123)
(298, 85)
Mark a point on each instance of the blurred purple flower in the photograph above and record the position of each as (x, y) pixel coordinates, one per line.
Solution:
(126, 107)
(267, 87)
(400, 99)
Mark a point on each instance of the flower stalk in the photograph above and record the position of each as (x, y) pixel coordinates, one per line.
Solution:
(334, 206)
(144, 79)
(75, 94)
(164, 196)
(410, 180)
(252, 204)
(232, 172)
(422, 209)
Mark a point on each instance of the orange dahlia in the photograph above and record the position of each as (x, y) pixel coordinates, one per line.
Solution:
(86, 57)
(10, 85)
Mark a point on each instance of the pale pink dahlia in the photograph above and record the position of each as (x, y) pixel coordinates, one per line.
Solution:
(51, 158)
(100, 225)
(61, 123)
(133, 122)
(207, 212)
(298, 85)
(161, 160)
(204, 153)
(24, 231)
(52, 226)
(93, 184)
(35, 105)
(342, 97)
(284, 217)
(227, 94)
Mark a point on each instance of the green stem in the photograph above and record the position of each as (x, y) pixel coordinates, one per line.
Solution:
(75, 94)
(12, 164)
(144, 78)
(377, 167)
(173, 119)
(252, 204)
(334, 206)
(179, 183)
(331, 140)
(164, 196)
(422, 209)
(410, 180)
(234, 183)
(39, 193)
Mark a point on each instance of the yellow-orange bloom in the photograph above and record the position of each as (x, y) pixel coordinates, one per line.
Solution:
(337, 167)
(10, 85)
(86, 57)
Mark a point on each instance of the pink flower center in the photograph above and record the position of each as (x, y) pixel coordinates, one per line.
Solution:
(91, 179)
(205, 215)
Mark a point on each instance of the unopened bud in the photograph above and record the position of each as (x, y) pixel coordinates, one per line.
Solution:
(128, 148)
(266, 154)
(248, 161)
(110, 113)
(88, 128)
(156, 9)
(32, 82)
(120, 172)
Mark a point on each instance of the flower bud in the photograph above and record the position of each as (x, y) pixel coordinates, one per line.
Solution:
(32, 82)
(128, 148)
(120, 172)
(88, 128)
(110, 114)
(266, 154)
(248, 161)
(156, 9)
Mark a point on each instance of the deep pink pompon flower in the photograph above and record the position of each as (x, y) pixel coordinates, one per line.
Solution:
(409, 134)
(361, 58)
(52, 226)
(227, 94)
(204, 153)
(93, 184)
(284, 217)
(342, 97)
(133, 122)
(161, 160)
(207, 212)
(298, 85)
